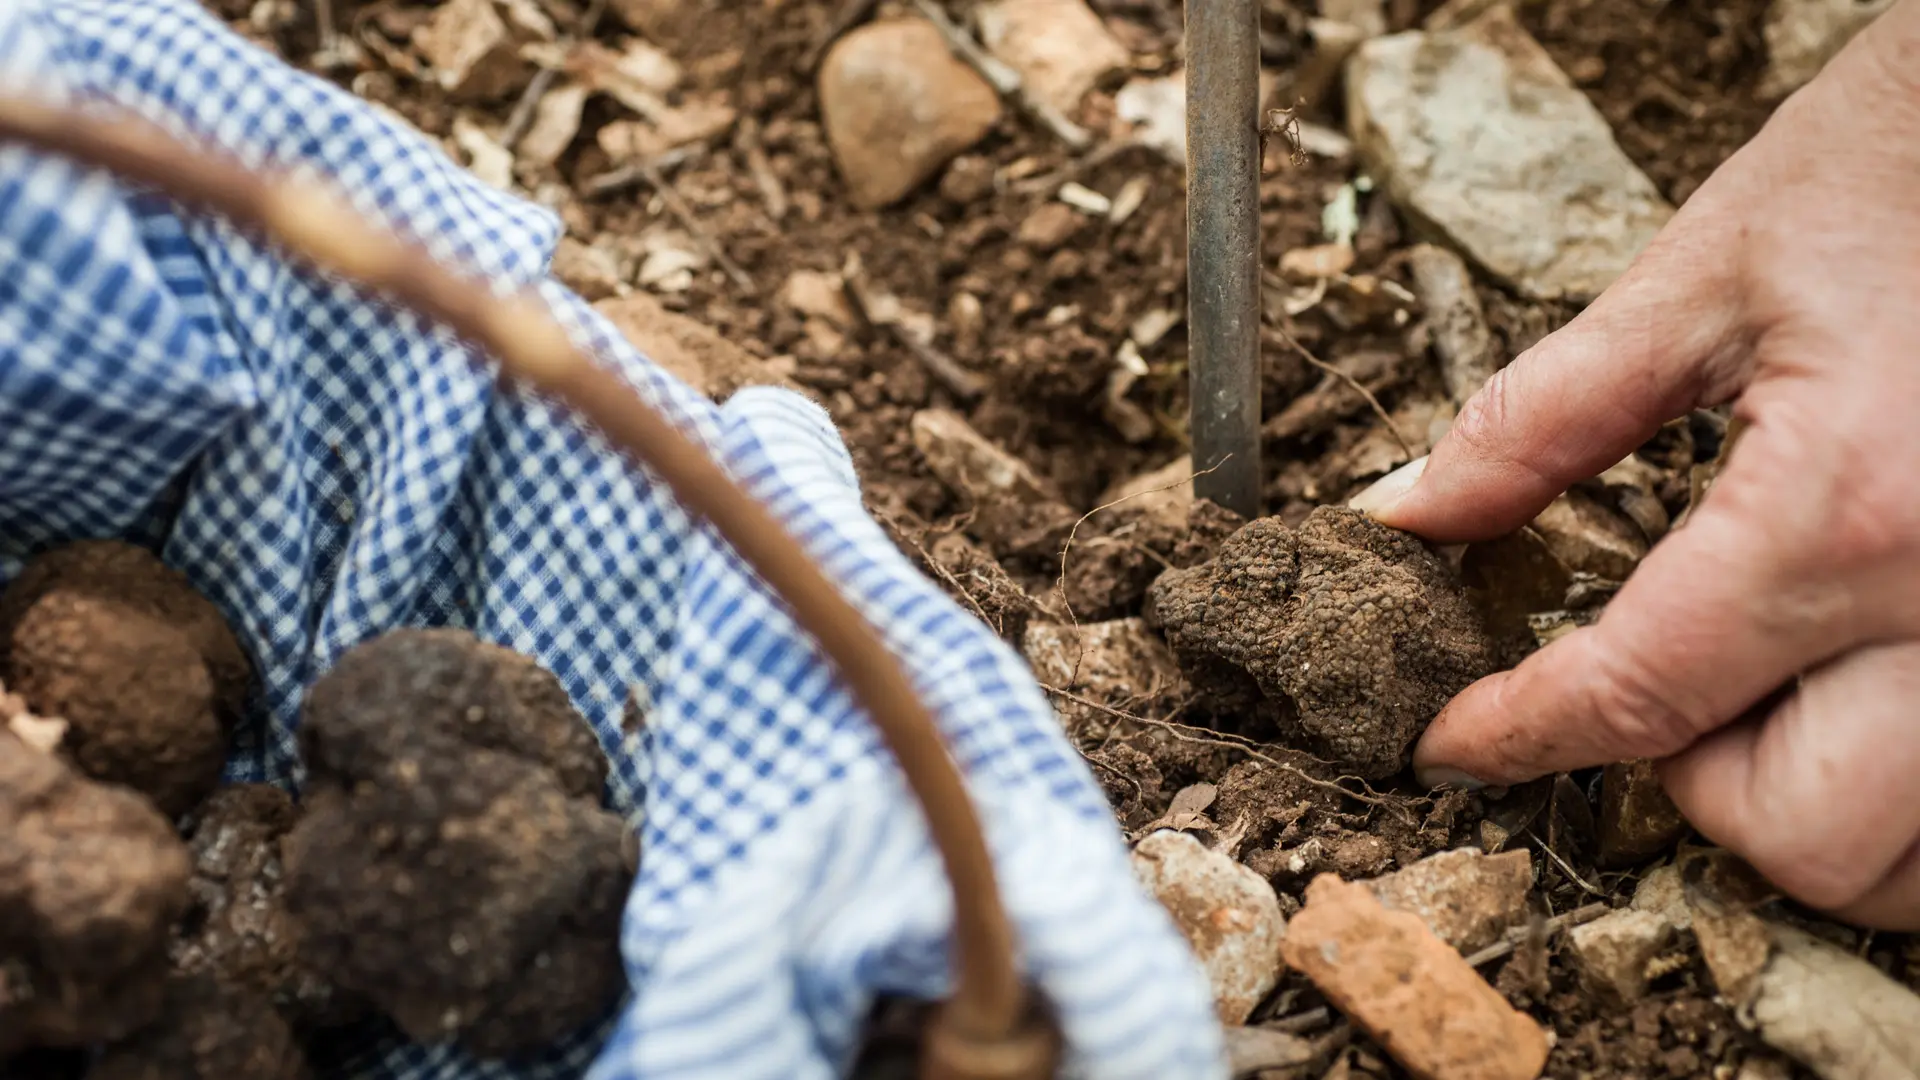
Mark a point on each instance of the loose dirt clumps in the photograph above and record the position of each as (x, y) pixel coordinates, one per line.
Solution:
(1354, 634)
(143, 669)
(91, 878)
(454, 865)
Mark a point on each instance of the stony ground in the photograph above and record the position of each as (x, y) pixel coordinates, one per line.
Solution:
(987, 290)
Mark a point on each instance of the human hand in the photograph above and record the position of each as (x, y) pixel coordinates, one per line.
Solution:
(1787, 285)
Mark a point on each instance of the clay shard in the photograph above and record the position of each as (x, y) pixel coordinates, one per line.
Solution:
(1411, 991)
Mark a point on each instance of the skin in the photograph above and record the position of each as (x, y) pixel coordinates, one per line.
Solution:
(1768, 653)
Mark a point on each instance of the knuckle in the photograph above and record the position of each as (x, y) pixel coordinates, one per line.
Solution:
(1802, 863)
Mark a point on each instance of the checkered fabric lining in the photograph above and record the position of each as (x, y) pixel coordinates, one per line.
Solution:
(326, 468)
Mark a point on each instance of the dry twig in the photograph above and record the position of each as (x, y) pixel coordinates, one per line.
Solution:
(1329, 369)
(688, 220)
(1004, 80)
(746, 138)
(634, 173)
(963, 384)
(1565, 921)
(1060, 586)
(1185, 733)
(521, 118)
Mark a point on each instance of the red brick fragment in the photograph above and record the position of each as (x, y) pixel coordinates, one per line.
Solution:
(1408, 989)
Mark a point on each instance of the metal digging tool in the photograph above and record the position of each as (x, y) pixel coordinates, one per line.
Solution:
(1223, 250)
(993, 1027)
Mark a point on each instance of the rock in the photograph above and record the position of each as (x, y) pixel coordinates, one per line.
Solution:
(1637, 819)
(1411, 991)
(471, 51)
(1118, 663)
(1481, 139)
(1468, 354)
(1832, 1011)
(897, 106)
(819, 295)
(1229, 915)
(1050, 226)
(1612, 953)
(690, 351)
(1157, 108)
(592, 272)
(1802, 35)
(1662, 893)
(1465, 897)
(1590, 538)
(1013, 512)
(1059, 47)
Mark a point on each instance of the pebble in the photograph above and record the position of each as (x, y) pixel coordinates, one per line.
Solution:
(1408, 989)
(1229, 915)
(818, 294)
(1050, 226)
(1059, 47)
(1661, 892)
(1803, 35)
(1479, 137)
(1637, 819)
(897, 106)
(1468, 898)
(1612, 952)
(1590, 537)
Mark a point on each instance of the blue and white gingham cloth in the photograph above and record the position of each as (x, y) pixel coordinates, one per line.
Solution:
(326, 468)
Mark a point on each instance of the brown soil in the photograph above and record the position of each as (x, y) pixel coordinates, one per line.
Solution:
(1040, 321)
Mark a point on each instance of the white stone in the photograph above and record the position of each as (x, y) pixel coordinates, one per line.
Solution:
(1803, 35)
(1481, 139)
(1059, 47)
(1227, 912)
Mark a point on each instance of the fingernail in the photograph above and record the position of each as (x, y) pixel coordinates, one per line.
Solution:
(1390, 488)
(1446, 776)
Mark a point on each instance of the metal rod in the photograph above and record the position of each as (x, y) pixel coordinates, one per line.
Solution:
(1223, 249)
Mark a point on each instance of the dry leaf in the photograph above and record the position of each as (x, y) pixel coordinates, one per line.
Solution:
(470, 49)
(486, 158)
(556, 121)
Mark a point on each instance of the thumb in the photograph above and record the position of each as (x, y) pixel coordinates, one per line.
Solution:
(1662, 340)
